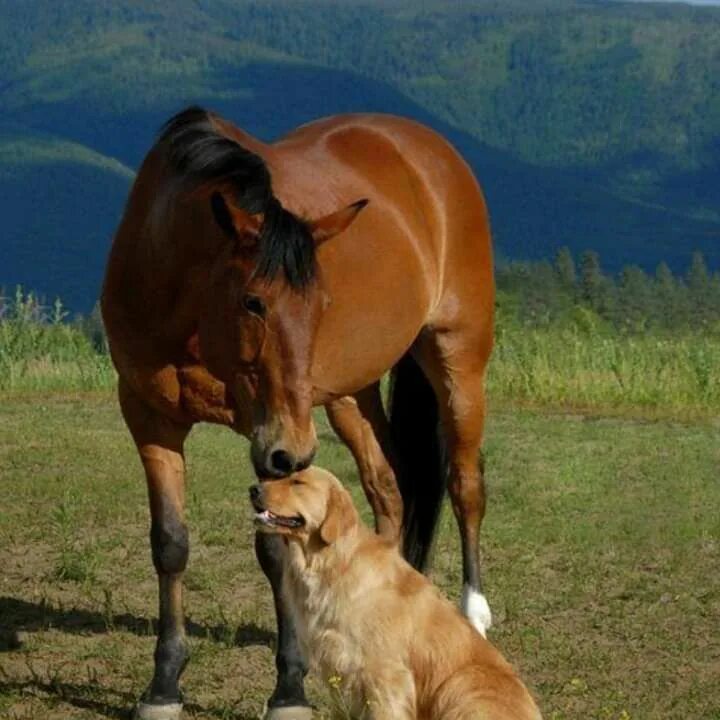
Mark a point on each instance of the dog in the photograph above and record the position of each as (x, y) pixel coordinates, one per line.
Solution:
(366, 618)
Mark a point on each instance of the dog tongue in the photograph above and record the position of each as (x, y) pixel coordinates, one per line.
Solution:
(268, 517)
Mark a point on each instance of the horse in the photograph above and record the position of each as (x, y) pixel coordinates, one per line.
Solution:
(248, 282)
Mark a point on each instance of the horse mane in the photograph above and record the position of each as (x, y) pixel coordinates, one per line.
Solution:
(199, 157)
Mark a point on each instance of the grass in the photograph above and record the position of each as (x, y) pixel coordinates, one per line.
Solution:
(563, 365)
(567, 366)
(602, 543)
(39, 351)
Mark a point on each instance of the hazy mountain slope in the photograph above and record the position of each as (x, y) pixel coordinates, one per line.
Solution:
(60, 203)
(589, 125)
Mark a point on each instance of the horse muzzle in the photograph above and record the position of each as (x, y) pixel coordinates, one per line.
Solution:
(277, 462)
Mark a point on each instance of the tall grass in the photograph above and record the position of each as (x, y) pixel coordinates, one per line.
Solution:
(575, 365)
(40, 351)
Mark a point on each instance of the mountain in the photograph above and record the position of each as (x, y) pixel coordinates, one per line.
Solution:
(589, 124)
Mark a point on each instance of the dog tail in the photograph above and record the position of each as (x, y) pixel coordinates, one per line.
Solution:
(414, 427)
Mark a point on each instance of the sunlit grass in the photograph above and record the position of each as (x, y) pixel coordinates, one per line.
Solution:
(563, 366)
(566, 367)
(600, 550)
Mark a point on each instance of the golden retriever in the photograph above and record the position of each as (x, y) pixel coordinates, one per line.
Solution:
(402, 650)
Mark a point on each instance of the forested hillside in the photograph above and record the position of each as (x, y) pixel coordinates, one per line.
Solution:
(590, 124)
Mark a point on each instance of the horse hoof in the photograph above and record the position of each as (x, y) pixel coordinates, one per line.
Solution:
(296, 712)
(147, 711)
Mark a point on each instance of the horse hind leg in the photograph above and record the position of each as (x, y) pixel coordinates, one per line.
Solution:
(361, 423)
(160, 444)
(456, 370)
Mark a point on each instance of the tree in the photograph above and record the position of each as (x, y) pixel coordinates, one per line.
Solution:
(591, 278)
(698, 283)
(565, 269)
(698, 277)
(636, 300)
(672, 299)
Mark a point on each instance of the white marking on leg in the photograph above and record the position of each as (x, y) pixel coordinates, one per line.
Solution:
(476, 609)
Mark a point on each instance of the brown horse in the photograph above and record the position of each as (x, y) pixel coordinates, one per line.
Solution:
(248, 282)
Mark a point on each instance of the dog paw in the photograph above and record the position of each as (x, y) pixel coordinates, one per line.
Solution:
(476, 609)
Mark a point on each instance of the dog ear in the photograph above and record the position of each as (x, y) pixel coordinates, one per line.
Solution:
(340, 517)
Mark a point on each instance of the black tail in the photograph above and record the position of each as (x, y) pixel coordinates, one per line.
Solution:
(421, 464)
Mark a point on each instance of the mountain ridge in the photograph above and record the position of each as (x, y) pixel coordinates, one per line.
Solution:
(104, 78)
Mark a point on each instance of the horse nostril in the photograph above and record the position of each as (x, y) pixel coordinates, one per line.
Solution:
(282, 461)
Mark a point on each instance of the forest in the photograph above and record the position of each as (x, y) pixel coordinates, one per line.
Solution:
(588, 124)
(570, 291)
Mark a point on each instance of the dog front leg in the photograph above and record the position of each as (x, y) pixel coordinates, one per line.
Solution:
(392, 698)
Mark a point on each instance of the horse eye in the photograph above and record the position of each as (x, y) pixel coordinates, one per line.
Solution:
(254, 305)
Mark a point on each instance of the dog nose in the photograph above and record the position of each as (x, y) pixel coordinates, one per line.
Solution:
(255, 493)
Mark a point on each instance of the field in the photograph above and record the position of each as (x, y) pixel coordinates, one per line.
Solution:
(602, 544)
(569, 365)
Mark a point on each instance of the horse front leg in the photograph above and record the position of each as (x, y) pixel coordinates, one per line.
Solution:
(288, 701)
(160, 444)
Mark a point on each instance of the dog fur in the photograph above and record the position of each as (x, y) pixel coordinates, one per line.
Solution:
(400, 649)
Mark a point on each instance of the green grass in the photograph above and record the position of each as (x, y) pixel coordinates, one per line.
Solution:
(568, 367)
(601, 543)
(560, 366)
(39, 351)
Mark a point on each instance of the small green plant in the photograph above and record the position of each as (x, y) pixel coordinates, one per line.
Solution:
(340, 707)
(76, 562)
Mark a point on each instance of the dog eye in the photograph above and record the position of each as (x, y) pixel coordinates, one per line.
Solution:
(297, 482)
(253, 304)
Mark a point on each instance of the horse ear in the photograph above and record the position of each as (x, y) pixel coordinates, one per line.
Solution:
(236, 223)
(331, 225)
(340, 516)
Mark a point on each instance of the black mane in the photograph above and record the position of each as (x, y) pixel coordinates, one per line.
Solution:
(198, 156)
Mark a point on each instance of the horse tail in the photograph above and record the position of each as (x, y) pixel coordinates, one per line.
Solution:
(414, 428)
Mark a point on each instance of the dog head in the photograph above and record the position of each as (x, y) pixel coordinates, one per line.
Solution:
(307, 505)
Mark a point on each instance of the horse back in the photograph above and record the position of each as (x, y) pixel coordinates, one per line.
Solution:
(420, 254)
